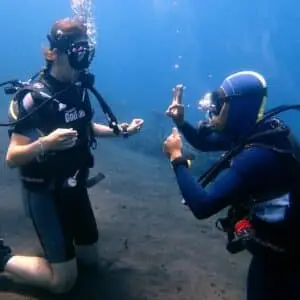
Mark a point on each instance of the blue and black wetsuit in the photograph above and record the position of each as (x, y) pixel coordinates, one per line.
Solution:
(62, 216)
(267, 172)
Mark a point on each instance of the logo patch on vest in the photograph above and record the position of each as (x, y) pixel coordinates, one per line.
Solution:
(74, 115)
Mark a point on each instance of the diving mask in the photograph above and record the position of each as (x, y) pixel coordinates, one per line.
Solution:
(73, 41)
(80, 55)
(212, 103)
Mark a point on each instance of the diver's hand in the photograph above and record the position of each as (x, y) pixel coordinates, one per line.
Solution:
(59, 139)
(173, 145)
(176, 109)
(135, 126)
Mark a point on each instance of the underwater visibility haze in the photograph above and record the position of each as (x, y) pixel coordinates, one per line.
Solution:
(152, 246)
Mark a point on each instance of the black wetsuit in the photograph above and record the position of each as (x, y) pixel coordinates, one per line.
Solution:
(62, 216)
(269, 176)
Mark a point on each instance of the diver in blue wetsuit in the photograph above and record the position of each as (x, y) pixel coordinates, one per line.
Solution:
(257, 178)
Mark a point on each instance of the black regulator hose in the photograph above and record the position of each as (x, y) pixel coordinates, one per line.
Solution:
(87, 82)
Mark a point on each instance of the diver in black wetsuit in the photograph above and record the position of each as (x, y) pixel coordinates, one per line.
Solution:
(259, 183)
(52, 149)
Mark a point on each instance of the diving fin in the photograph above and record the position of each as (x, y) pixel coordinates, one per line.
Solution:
(94, 180)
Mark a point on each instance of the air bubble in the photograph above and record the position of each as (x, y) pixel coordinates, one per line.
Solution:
(83, 10)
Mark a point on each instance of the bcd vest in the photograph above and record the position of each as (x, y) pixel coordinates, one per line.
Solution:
(274, 135)
(72, 109)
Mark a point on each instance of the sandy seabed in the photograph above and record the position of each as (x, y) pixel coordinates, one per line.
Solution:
(151, 246)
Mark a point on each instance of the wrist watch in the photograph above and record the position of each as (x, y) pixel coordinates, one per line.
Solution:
(125, 131)
(185, 160)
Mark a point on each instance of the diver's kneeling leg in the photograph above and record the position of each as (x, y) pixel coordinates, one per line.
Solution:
(53, 224)
(85, 229)
(36, 271)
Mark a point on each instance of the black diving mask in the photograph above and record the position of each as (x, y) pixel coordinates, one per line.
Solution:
(79, 51)
(80, 55)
